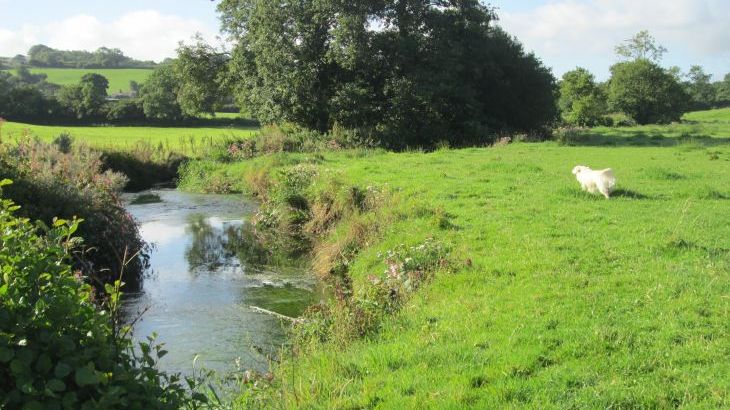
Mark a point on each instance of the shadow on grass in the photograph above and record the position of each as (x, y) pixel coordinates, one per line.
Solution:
(618, 193)
(627, 193)
(631, 138)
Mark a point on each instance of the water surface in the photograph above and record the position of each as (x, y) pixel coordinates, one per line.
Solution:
(202, 285)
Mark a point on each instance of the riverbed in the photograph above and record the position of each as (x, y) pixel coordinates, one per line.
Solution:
(204, 283)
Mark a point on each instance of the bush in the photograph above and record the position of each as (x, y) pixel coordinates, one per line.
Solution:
(125, 110)
(51, 183)
(56, 349)
(569, 135)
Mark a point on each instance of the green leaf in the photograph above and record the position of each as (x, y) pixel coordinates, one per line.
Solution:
(56, 385)
(43, 365)
(86, 377)
(62, 370)
(33, 405)
(70, 400)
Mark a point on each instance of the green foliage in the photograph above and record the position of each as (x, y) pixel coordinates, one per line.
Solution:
(722, 92)
(405, 73)
(581, 101)
(57, 180)
(200, 69)
(159, 95)
(86, 99)
(125, 110)
(646, 92)
(700, 89)
(56, 349)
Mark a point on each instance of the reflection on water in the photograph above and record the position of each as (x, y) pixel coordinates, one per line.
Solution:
(204, 279)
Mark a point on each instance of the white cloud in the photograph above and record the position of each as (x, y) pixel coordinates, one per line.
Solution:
(566, 32)
(145, 34)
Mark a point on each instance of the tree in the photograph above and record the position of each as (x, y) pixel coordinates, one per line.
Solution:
(26, 77)
(18, 61)
(430, 71)
(641, 47)
(159, 95)
(699, 88)
(646, 92)
(86, 99)
(581, 101)
(722, 92)
(201, 70)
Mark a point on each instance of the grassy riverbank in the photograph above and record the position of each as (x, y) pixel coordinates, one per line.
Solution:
(558, 299)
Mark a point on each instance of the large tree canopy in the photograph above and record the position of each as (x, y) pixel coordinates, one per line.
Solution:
(646, 92)
(410, 72)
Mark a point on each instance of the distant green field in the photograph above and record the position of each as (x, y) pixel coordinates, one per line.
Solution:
(185, 140)
(721, 115)
(711, 127)
(118, 78)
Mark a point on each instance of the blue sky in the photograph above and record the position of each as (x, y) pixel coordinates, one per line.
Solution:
(564, 33)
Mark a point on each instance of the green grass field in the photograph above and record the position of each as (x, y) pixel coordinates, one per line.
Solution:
(118, 78)
(571, 300)
(180, 139)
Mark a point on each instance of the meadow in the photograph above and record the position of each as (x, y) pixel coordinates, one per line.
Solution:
(184, 140)
(558, 299)
(118, 78)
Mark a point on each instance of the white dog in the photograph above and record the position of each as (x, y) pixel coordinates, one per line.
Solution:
(602, 180)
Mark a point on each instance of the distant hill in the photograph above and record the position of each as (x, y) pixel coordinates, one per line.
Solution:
(41, 56)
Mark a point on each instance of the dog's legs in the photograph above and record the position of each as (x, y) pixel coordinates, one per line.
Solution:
(604, 191)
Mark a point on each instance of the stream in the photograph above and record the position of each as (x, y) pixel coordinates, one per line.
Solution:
(201, 285)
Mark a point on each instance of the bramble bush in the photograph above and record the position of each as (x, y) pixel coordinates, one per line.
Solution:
(57, 350)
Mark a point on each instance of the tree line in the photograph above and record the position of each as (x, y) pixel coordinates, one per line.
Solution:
(401, 73)
(43, 56)
(639, 88)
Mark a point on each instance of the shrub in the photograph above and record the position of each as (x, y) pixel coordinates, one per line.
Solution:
(569, 135)
(50, 183)
(125, 110)
(56, 349)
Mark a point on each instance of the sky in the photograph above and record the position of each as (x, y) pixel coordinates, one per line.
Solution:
(563, 33)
